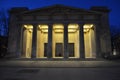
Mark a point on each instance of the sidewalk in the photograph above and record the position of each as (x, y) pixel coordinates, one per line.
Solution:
(59, 64)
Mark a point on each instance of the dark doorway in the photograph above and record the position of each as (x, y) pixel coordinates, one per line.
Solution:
(59, 50)
(45, 49)
(71, 49)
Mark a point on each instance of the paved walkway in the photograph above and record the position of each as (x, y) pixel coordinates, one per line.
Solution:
(59, 73)
(55, 64)
(59, 70)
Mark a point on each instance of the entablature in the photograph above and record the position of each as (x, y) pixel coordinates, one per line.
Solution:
(58, 17)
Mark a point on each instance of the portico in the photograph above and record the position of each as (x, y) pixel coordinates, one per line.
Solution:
(58, 41)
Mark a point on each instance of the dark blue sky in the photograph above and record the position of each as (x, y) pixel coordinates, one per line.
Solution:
(113, 5)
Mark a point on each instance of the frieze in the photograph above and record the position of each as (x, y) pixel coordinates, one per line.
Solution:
(88, 17)
(42, 17)
(27, 17)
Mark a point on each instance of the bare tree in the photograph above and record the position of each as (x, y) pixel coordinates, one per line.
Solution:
(3, 23)
(115, 30)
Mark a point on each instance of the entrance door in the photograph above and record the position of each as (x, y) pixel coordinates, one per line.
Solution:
(45, 49)
(59, 50)
(71, 49)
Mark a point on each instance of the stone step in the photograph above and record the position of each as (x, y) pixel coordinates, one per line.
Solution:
(52, 64)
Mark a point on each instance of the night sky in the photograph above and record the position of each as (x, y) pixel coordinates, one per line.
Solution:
(113, 5)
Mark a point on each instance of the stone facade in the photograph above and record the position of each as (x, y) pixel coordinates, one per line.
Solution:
(59, 31)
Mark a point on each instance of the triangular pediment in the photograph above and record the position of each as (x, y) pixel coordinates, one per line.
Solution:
(58, 9)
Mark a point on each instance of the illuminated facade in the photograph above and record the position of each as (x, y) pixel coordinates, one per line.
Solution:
(59, 32)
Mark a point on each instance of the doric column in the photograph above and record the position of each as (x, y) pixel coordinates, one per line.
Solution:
(81, 41)
(97, 40)
(49, 48)
(18, 47)
(65, 41)
(34, 41)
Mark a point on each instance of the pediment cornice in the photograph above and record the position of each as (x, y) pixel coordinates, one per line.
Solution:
(58, 9)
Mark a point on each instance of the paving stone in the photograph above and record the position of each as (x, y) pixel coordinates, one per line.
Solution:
(14, 79)
(28, 71)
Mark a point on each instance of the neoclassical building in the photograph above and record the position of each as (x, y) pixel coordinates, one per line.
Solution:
(59, 32)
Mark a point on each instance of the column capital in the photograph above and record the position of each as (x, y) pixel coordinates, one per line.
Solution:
(81, 23)
(34, 24)
(66, 24)
(50, 24)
